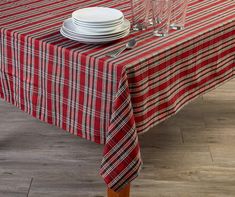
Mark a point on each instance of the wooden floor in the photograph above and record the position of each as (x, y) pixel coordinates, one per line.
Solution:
(190, 154)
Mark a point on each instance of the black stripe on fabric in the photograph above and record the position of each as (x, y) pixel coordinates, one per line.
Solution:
(171, 110)
(110, 142)
(176, 103)
(181, 49)
(4, 75)
(177, 64)
(182, 85)
(201, 70)
(117, 186)
(127, 104)
(73, 93)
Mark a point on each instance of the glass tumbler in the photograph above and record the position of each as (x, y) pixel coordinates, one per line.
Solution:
(161, 10)
(179, 10)
(140, 14)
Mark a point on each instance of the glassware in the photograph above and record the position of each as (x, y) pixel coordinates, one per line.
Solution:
(179, 10)
(140, 14)
(161, 10)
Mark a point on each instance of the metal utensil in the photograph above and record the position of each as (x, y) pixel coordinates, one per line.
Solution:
(129, 45)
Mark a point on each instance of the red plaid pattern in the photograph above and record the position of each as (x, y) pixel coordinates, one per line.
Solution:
(108, 101)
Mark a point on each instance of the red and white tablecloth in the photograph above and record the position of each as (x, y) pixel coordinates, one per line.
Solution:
(109, 101)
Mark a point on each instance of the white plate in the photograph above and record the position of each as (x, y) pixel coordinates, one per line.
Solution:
(99, 30)
(69, 26)
(87, 41)
(97, 15)
(92, 41)
(95, 37)
(98, 25)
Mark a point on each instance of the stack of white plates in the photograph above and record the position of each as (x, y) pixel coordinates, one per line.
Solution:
(96, 25)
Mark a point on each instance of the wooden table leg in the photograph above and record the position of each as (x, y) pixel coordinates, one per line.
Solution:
(125, 192)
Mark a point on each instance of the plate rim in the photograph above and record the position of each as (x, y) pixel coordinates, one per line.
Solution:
(75, 13)
(95, 41)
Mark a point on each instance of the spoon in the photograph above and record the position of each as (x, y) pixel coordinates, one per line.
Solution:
(129, 45)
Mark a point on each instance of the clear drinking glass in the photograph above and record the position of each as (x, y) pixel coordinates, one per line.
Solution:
(179, 10)
(140, 13)
(161, 10)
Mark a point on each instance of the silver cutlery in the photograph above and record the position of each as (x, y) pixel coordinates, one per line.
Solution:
(129, 45)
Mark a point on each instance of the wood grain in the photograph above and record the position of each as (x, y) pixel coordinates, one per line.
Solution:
(125, 192)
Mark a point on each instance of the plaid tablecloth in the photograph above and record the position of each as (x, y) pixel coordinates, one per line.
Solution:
(109, 101)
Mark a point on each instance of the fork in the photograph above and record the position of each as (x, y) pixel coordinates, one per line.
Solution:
(129, 45)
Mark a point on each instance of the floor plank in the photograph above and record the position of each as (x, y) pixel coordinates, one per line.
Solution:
(12, 185)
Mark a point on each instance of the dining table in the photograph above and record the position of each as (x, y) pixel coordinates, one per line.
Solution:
(110, 101)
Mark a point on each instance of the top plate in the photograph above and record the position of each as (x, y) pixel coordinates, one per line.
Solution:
(97, 15)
